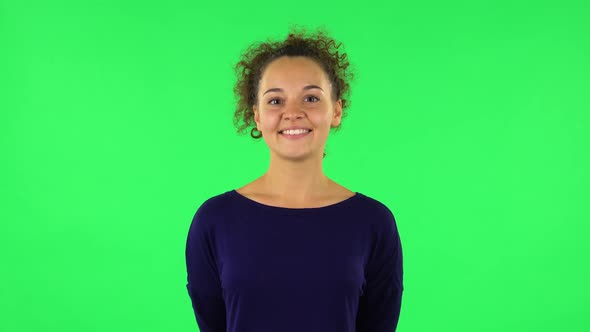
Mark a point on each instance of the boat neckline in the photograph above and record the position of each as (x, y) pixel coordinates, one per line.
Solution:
(282, 208)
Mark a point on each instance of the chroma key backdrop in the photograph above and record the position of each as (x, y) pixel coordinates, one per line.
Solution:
(468, 119)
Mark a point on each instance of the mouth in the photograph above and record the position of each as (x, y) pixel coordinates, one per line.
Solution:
(297, 136)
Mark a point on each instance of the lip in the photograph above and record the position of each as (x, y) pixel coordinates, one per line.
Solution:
(293, 128)
(296, 137)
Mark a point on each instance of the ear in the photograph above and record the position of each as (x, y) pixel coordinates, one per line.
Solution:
(256, 117)
(337, 118)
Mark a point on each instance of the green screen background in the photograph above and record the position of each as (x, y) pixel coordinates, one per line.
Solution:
(468, 119)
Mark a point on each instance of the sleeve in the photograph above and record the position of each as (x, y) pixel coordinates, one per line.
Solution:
(380, 304)
(203, 282)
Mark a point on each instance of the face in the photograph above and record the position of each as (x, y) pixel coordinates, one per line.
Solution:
(294, 91)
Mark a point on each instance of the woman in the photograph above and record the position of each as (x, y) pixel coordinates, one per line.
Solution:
(293, 250)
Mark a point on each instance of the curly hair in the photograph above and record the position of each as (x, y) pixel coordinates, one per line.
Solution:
(319, 47)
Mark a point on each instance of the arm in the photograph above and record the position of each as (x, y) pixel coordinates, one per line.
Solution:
(380, 304)
(203, 283)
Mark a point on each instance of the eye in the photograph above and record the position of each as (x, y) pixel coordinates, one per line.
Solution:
(317, 99)
(271, 101)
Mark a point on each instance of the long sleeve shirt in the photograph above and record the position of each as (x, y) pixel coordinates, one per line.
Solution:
(253, 267)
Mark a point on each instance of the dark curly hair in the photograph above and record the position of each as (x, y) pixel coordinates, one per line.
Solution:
(319, 47)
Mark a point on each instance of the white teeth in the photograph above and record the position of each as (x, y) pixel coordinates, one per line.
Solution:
(295, 131)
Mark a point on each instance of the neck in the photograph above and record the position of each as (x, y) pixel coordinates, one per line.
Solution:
(295, 180)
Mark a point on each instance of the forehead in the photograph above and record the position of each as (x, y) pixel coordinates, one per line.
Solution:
(293, 70)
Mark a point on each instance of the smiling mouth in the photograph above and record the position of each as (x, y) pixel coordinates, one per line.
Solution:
(281, 131)
(295, 136)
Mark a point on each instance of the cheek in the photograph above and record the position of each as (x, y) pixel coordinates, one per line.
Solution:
(270, 123)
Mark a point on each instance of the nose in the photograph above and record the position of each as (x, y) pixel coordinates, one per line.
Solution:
(293, 115)
(293, 112)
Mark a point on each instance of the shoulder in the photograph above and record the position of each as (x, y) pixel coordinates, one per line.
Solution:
(215, 203)
(376, 212)
(373, 205)
(212, 208)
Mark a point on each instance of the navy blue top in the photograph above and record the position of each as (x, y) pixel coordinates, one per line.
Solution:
(253, 267)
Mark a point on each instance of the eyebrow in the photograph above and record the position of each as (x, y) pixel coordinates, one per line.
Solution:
(307, 87)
